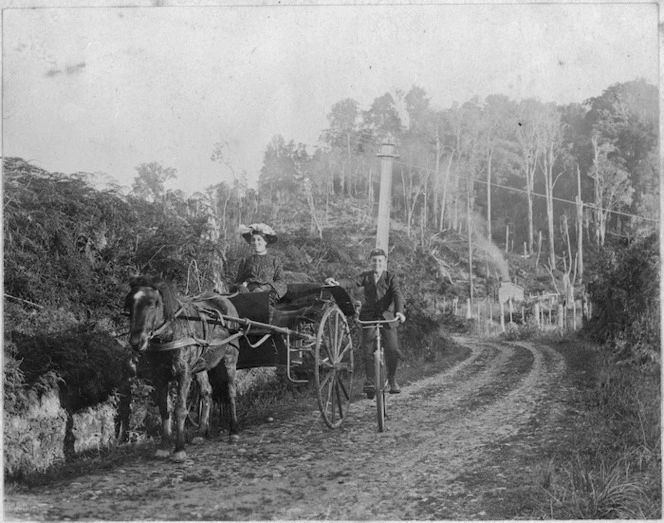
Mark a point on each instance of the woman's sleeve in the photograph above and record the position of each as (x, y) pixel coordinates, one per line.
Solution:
(278, 282)
(240, 271)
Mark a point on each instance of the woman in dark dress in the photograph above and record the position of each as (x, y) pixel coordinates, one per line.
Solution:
(261, 272)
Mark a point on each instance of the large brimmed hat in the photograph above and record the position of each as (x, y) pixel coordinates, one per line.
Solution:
(264, 230)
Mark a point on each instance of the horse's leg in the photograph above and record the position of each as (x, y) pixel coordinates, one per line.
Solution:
(163, 402)
(230, 363)
(184, 382)
(205, 393)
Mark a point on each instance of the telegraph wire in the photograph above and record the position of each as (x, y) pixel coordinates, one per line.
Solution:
(517, 190)
(523, 191)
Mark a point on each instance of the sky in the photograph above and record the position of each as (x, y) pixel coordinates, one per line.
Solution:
(105, 89)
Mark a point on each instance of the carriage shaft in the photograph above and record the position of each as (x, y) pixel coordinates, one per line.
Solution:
(273, 328)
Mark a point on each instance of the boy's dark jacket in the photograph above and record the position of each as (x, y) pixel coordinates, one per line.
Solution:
(382, 299)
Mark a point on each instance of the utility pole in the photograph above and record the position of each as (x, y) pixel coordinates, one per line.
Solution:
(387, 154)
(579, 223)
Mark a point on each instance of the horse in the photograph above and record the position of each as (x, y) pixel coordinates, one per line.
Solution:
(182, 339)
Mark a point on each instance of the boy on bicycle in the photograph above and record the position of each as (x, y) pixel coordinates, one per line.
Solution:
(383, 300)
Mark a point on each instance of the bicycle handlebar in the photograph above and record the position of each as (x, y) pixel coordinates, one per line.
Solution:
(372, 323)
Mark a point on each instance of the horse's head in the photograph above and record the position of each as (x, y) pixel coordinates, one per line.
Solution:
(145, 306)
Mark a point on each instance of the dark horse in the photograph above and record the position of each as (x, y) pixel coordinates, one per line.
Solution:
(182, 339)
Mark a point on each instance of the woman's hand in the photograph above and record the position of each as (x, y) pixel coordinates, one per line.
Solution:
(331, 281)
(399, 316)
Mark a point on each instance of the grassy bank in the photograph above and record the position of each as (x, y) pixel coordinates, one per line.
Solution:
(608, 463)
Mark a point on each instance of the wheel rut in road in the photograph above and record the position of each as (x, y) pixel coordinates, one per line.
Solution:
(439, 430)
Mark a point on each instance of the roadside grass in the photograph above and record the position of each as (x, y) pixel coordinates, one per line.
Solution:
(609, 464)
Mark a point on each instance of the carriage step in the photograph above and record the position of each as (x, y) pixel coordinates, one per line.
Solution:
(296, 357)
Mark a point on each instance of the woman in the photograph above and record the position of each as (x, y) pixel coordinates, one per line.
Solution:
(261, 272)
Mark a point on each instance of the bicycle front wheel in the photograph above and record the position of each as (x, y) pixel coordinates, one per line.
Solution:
(380, 374)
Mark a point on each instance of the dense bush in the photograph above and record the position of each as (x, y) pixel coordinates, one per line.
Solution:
(626, 321)
(69, 245)
(625, 297)
(90, 364)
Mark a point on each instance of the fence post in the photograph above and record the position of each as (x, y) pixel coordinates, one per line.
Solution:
(510, 301)
(502, 316)
(469, 313)
(537, 315)
(561, 322)
(574, 313)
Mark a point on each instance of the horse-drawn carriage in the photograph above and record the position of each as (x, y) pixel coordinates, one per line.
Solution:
(208, 337)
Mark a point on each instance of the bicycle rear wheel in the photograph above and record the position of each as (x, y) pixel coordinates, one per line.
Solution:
(380, 374)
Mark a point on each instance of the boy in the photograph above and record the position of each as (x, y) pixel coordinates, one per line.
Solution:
(383, 301)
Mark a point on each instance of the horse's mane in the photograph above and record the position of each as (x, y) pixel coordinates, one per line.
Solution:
(168, 295)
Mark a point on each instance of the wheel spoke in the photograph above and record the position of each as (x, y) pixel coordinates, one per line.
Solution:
(330, 389)
(347, 347)
(340, 403)
(327, 378)
(326, 345)
(336, 333)
(343, 389)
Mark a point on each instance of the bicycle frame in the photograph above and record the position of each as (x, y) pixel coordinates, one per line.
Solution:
(380, 370)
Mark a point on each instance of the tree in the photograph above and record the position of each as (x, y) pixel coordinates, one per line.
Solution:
(612, 186)
(450, 127)
(149, 184)
(382, 119)
(549, 143)
(417, 155)
(528, 143)
(343, 135)
(626, 116)
(496, 125)
(284, 165)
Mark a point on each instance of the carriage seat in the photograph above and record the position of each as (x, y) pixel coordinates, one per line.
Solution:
(255, 306)
(299, 301)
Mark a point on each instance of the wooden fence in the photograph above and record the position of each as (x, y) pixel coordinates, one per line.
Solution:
(545, 313)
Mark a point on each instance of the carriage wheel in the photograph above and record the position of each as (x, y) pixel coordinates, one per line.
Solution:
(333, 368)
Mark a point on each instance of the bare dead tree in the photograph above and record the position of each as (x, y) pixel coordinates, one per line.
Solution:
(315, 222)
(443, 267)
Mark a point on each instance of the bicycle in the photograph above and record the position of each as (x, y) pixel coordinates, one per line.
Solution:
(380, 370)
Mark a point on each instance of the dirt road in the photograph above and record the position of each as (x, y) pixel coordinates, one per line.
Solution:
(458, 445)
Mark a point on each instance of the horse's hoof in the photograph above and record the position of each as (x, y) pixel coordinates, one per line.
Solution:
(198, 440)
(234, 438)
(162, 453)
(180, 456)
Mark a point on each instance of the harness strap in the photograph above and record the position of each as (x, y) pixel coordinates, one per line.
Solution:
(166, 323)
(259, 342)
(185, 342)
